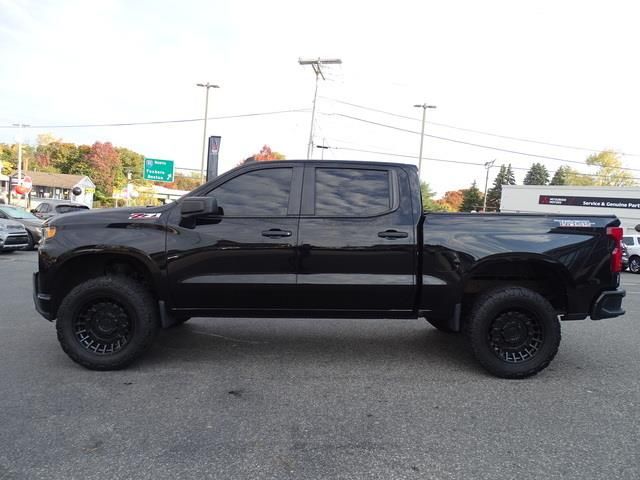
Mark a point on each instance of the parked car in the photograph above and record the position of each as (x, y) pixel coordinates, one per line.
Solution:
(632, 243)
(31, 223)
(51, 208)
(325, 239)
(13, 236)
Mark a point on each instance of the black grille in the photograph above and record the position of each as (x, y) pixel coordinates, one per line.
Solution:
(16, 240)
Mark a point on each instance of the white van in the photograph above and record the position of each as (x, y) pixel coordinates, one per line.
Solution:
(633, 246)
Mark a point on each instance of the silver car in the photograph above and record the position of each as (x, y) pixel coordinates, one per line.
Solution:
(13, 236)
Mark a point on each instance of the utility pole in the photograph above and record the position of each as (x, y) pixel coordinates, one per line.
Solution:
(20, 127)
(206, 86)
(323, 147)
(424, 107)
(316, 64)
(488, 166)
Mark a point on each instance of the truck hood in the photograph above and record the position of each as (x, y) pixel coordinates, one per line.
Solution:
(104, 216)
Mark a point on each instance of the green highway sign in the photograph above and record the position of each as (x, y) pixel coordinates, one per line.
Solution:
(158, 170)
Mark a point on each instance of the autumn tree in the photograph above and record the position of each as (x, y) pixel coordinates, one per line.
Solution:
(537, 175)
(452, 200)
(472, 199)
(428, 203)
(107, 168)
(266, 155)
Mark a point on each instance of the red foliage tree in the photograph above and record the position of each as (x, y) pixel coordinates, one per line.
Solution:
(105, 163)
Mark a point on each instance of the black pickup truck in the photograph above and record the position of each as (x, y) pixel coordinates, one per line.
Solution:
(325, 239)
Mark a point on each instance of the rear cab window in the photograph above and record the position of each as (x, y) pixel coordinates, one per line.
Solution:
(352, 192)
(70, 208)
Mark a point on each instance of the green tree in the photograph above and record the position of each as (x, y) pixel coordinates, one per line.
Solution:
(428, 203)
(131, 162)
(472, 199)
(561, 175)
(509, 176)
(7, 160)
(495, 192)
(610, 172)
(537, 175)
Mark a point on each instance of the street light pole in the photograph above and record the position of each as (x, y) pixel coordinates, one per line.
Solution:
(488, 166)
(424, 107)
(206, 86)
(316, 64)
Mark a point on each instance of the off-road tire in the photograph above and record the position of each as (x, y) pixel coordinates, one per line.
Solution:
(513, 322)
(128, 298)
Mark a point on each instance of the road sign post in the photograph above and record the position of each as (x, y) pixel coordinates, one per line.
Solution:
(158, 170)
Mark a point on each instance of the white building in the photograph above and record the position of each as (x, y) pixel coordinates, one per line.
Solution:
(624, 202)
(59, 186)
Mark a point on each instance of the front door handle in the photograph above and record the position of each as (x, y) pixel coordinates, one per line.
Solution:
(392, 234)
(276, 233)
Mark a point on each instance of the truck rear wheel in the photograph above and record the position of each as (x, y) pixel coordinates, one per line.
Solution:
(107, 322)
(514, 332)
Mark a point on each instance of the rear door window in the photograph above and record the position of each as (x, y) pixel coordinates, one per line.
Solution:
(628, 241)
(352, 192)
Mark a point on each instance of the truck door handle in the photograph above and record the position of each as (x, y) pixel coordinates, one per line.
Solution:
(392, 234)
(276, 233)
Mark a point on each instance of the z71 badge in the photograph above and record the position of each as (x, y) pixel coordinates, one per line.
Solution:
(143, 216)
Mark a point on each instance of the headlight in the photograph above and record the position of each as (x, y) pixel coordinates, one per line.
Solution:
(48, 232)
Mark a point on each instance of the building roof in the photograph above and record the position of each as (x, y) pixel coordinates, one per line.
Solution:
(57, 180)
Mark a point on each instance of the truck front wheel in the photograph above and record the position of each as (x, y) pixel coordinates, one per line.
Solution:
(107, 322)
(514, 332)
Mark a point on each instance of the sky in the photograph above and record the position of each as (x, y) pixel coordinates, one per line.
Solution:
(562, 72)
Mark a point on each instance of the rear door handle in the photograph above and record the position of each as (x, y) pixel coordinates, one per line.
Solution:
(276, 233)
(392, 234)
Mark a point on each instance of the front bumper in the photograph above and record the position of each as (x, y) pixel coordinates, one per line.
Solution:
(608, 305)
(42, 301)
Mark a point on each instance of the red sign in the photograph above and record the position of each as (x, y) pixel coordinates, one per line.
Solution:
(24, 186)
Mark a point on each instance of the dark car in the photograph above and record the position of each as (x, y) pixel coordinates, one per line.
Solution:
(53, 208)
(32, 223)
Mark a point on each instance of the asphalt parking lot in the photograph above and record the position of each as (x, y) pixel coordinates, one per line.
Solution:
(246, 398)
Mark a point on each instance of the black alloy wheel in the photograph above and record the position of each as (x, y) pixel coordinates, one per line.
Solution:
(634, 264)
(516, 337)
(103, 327)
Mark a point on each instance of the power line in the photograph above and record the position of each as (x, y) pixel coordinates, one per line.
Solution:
(471, 130)
(162, 122)
(462, 142)
(461, 162)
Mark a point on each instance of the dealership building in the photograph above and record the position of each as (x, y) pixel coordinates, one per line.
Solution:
(623, 202)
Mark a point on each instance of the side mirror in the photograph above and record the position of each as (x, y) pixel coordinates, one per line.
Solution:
(196, 206)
